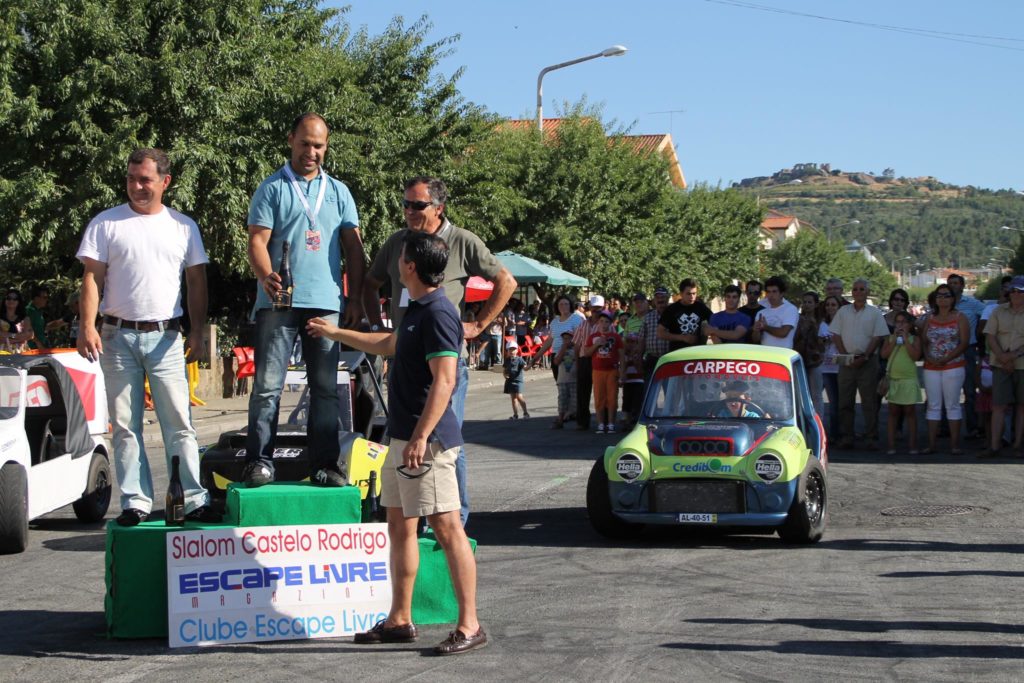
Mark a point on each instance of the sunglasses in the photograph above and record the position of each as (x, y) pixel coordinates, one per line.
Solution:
(418, 206)
(943, 295)
(14, 298)
(404, 472)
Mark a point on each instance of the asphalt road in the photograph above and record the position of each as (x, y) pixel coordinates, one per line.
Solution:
(882, 597)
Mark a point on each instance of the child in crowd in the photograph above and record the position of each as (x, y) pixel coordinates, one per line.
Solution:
(983, 400)
(902, 349)
(632, 379)
(515, 366)
(565, 361)
(605, 349)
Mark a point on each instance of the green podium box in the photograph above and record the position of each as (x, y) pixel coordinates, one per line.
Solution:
(135, 602)
(285, 504)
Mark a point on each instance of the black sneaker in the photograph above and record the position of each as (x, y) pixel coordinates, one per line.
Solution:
(204, 514)
(257, 474)
(329, 478)
(132, 517)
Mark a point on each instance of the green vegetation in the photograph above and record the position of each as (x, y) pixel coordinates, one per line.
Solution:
(217, 84)
(937, 225)
(808, 260)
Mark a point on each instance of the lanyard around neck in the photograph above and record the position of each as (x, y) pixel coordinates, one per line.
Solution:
(311, 214)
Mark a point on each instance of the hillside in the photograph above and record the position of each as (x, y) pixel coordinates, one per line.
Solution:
(932, 222)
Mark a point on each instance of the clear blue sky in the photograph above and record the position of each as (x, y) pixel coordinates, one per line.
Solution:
(760, 90)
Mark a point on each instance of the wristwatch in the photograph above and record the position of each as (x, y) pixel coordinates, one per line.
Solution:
(374, 328)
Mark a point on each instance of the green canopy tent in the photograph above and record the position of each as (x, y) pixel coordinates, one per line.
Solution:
(543, 277)
(528, 271)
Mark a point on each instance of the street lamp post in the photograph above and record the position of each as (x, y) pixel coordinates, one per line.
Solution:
(613, 51)
(828, 230)
(899, 274)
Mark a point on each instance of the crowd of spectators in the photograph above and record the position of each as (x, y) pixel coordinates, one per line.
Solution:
(955, 348)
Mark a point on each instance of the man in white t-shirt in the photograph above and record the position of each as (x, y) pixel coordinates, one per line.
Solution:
(775, 324)
(135, 254)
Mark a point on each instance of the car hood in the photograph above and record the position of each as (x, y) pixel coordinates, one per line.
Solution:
(707, 438)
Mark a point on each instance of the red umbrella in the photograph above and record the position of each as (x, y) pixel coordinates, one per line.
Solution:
(478, 289)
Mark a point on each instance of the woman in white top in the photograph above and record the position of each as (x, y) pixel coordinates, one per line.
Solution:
(829, 366)
(565, 321)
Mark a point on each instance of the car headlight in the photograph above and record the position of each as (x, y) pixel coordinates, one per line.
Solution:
(769, 467)
(629, 466)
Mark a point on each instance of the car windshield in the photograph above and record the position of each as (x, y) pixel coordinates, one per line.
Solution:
(723, 389)
(10, 393)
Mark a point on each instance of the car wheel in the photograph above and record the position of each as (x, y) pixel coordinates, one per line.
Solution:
(599, 506)
(13, 508)
(805, 522)
(92, 506)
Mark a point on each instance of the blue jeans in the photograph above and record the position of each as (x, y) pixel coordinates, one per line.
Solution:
(275, 335)
(128, 358)
(492, 350)
(459, 408)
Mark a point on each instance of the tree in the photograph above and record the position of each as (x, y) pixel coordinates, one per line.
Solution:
(216, 83)
(808, 260)
(591, 204)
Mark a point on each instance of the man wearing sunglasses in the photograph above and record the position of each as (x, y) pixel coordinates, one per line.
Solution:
(418, 477)
(424, 207)
(303, 207)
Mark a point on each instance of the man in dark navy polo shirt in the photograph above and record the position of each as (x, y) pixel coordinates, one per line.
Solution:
(418, 476)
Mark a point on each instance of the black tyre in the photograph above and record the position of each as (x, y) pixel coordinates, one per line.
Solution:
(599, 506)
(13, 508)
(805, 522)
(93, 504)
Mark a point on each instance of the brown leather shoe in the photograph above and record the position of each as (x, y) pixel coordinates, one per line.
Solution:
(457, 642)
(380, 633)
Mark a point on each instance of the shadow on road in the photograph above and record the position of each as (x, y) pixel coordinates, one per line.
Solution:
(873, 625)
(570, 528)
(906, 545)
(875, 649)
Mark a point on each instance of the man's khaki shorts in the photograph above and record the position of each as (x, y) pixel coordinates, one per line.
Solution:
(436, 491)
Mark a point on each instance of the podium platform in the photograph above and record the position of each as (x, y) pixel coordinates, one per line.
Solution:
(135, 601)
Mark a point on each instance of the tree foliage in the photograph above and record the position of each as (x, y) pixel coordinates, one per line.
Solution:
(808, 260)
(592, 204)
(216, 83)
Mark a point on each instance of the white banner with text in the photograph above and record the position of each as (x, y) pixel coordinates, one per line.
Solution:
(245, 585)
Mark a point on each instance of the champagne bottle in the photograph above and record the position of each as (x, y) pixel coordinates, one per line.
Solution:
(174, 506)
(283, 300)
(372, 511)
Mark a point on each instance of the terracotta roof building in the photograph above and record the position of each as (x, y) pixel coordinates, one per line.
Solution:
(660, 143)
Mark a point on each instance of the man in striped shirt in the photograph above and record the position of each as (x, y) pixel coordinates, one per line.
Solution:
(654, 348)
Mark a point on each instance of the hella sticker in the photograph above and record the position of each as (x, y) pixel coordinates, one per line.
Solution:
(768, 467)
(629, 466)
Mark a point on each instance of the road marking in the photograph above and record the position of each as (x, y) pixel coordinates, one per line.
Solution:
(546, 486)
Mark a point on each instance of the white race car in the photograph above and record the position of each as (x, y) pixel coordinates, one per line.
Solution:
(53, 417)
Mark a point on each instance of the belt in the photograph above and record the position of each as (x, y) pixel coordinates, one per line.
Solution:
(144, 325)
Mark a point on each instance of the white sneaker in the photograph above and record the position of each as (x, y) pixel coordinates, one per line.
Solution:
(600, 429)
(610, 430)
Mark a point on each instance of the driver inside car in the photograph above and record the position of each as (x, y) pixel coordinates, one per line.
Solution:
(736, 402)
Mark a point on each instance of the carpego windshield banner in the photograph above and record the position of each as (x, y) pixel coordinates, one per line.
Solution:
(245, 585)
(723, 369)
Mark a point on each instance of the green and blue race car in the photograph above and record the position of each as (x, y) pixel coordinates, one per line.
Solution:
(728, 438)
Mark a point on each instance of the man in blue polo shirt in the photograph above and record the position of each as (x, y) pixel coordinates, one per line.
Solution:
(418, 475)
(314, 214)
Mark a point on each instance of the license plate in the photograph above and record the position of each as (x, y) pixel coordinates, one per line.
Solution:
(697, 518)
